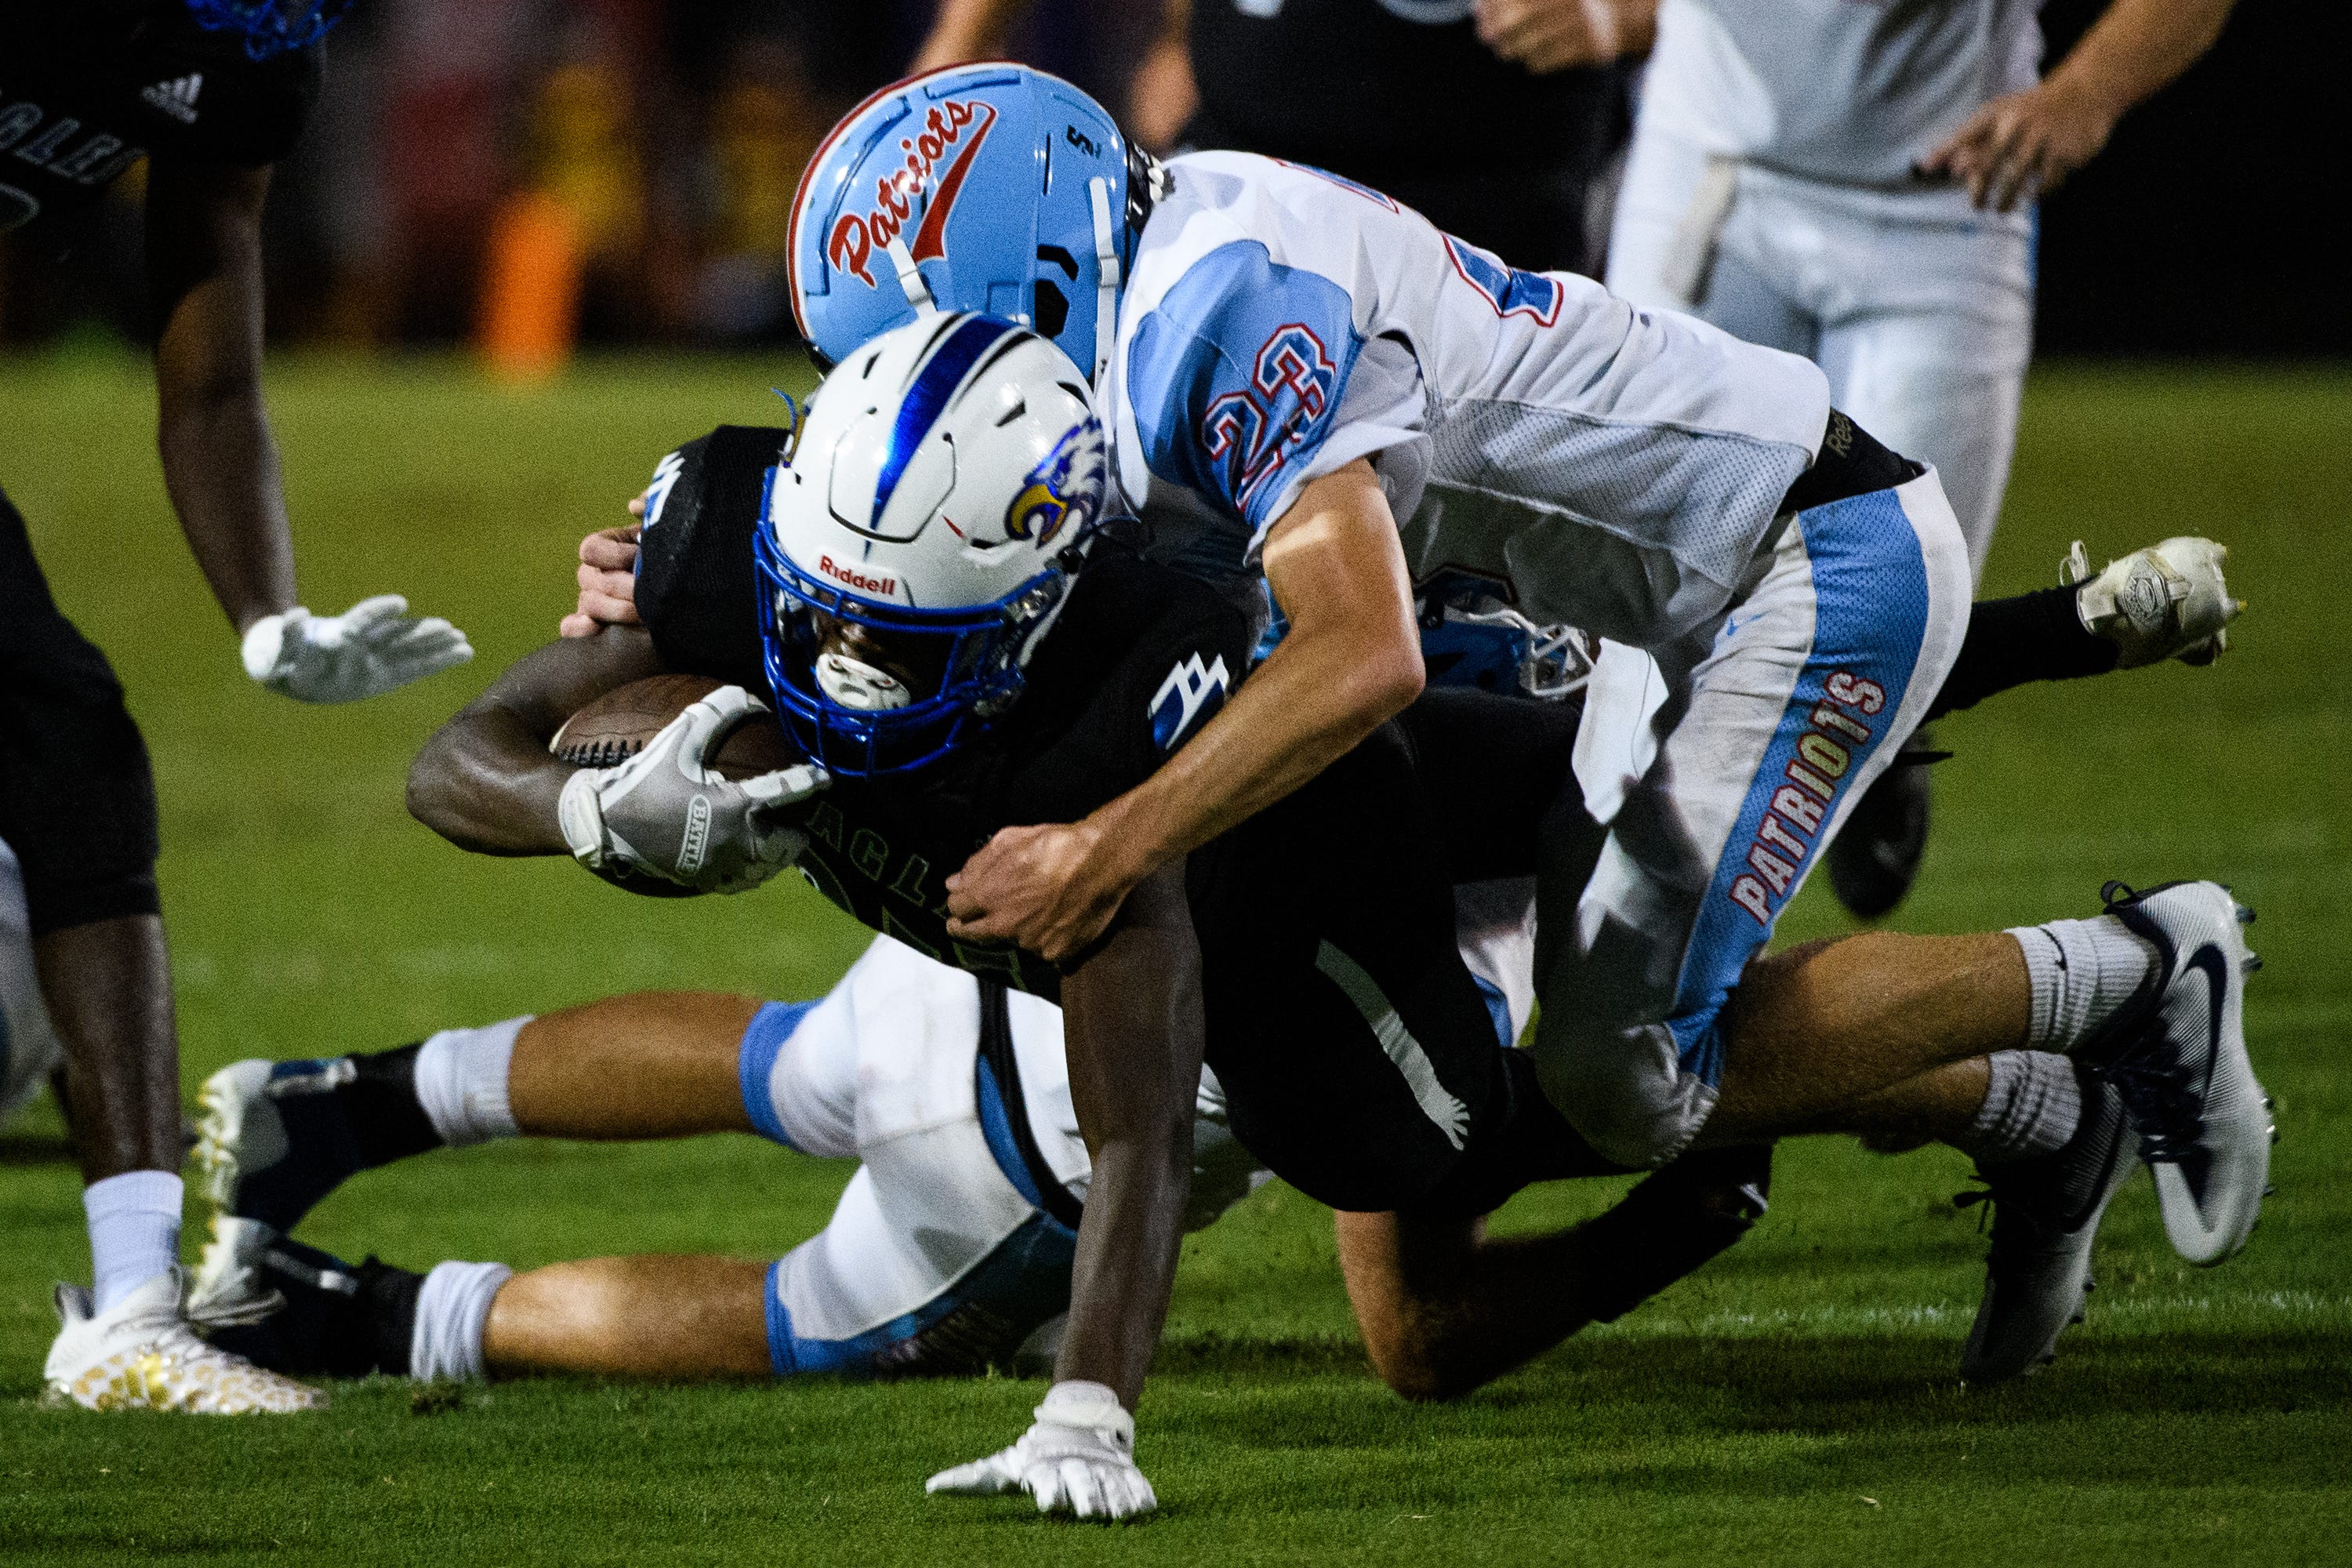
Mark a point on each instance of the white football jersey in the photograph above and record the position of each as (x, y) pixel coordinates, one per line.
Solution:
(1852, 91)
(1617, 467)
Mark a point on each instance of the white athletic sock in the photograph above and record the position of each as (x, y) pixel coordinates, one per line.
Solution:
(461, 1082)
(134, 1230)
(2032, 1107)
(451, 1309)
(2081, 971)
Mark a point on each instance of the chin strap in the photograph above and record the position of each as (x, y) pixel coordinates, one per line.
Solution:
(910, 276)
(1106, 277)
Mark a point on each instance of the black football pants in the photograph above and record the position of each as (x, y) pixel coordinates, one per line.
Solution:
(77, 796)
(1364, 858)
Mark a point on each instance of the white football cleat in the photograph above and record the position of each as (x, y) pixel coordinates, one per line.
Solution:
(2166, 601)
(143, 1357)
(2047, 1212)
(2180, 1059)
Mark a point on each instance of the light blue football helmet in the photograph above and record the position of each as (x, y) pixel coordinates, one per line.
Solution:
(991, 188)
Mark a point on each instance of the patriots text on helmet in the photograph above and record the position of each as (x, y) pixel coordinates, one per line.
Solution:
(849, 577)
(952, 127)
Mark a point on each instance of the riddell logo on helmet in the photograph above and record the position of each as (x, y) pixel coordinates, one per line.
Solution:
(886, 586)
(954, 126)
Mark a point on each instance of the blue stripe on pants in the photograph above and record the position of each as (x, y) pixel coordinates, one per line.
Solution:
(1869, 617)
(763, 1041)
(1024, 1281)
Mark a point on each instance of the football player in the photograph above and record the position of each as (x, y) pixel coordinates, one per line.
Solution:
(1361, 397)
(1856, 184)
(208, 94)
(1477, 783)
(1504, 120)
(949, 1251)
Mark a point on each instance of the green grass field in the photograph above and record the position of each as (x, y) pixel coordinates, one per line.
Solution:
(1795, 1403)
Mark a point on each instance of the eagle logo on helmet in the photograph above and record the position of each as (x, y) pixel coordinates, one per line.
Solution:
(1066, 488)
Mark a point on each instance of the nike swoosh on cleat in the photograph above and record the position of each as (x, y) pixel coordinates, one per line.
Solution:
(2208, 960)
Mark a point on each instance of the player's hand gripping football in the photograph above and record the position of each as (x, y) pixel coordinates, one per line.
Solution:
(371, 648)
(1077, 1458)
(668, 812)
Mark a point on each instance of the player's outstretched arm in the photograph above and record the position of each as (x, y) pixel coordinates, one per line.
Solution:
(2026, 143)
(1132, 1027)
(485, 780)
(1444, 1309)
(970, 30)
(1350, 662)
(220, 464)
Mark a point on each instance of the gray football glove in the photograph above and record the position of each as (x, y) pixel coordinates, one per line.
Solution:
(371, 648)
(1078, 1458)
(666, 813)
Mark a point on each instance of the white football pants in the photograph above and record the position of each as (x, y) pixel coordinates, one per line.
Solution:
(1920, 309)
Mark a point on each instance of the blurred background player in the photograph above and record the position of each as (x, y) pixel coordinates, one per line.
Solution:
(1501, 120)
(207, 94)
(1856, 184)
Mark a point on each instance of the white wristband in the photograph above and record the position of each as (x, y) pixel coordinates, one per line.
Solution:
(263, 641)
(1079, 1403)
(582, 818)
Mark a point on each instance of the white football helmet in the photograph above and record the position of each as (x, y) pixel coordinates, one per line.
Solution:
(936, 503)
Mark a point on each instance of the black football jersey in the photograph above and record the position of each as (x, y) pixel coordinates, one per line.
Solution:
(1372, 86)
(88, 88)
(1139, 660)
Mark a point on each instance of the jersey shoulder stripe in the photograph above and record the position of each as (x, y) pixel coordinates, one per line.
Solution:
(1235, 373)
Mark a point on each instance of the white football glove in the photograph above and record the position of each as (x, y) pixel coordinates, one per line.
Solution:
(1079, 1457)
(666, 813)
(369, 649)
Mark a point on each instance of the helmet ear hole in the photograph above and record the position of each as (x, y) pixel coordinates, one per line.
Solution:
(1049, 309)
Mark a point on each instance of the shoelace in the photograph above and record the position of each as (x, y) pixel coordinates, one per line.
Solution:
(2163, 1105)
(2010, 1241)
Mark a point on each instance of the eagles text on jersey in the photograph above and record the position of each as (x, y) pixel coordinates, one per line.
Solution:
(87, 89)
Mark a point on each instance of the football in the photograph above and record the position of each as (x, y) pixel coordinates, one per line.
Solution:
(614, 728)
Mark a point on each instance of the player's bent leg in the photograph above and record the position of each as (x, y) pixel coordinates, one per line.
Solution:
(1443, 1309)
(273, 1138)
(659, 1064)
(1812, 681)
(675, 1318)
(2052, 1146)
(665, 1319)
(1814, 1030)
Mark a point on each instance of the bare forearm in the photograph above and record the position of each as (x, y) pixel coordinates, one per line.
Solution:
(1350, 662)
(485, 780)
(204, 265)
(485, 783)
(1307, 707)
(1131, 1015)
(970, 30)
(2136, 48)
(220, 467)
